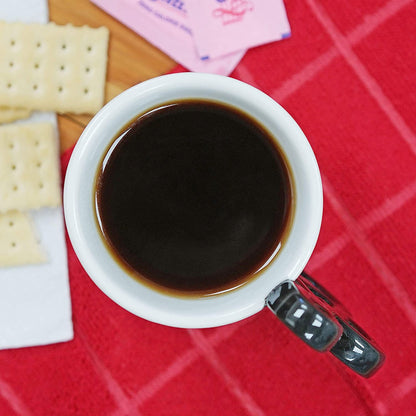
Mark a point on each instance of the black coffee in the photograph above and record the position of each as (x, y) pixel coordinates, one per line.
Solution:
(194, 196)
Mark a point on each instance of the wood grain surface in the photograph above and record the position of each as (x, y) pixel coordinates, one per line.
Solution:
(131, 59)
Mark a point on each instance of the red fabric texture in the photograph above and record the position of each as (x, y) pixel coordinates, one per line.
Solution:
(347, 76)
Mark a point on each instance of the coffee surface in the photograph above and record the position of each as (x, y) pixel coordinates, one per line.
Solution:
(194, 196)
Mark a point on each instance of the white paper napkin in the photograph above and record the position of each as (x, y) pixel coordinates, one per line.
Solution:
(35, 305)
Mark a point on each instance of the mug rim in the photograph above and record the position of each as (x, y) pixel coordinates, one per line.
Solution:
(160, 307)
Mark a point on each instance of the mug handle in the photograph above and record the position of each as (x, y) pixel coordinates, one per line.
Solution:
(320, 320)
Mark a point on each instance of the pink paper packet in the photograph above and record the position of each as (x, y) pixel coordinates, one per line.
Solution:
(165, 24)
(224, 26)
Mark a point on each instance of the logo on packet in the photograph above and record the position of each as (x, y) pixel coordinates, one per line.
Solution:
(232, 11)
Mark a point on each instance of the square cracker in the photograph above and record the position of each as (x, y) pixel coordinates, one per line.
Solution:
(7, 114)
(29, 167)
(51, 67)
(18, 243)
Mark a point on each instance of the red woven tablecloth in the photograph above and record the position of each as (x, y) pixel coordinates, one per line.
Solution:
(347, 75)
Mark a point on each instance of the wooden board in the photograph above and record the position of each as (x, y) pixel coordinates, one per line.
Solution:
(131, 59)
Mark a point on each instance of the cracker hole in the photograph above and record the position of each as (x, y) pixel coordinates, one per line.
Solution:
(41, 185)
(13, 167)
(86, 90)
(37, 143)
(38, 44)
(87, 69)
(11, 64)
(36, 65)
(89, 48)
(12, 42)
(15, 188)
(62, 68)
(38, 164)
(11, 223)
(63, 46)
(13, 244)
(60, 89)
(11, 146)
(35, 87)
(9, 85)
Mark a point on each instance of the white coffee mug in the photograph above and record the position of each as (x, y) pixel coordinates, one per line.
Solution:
(273, 283)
